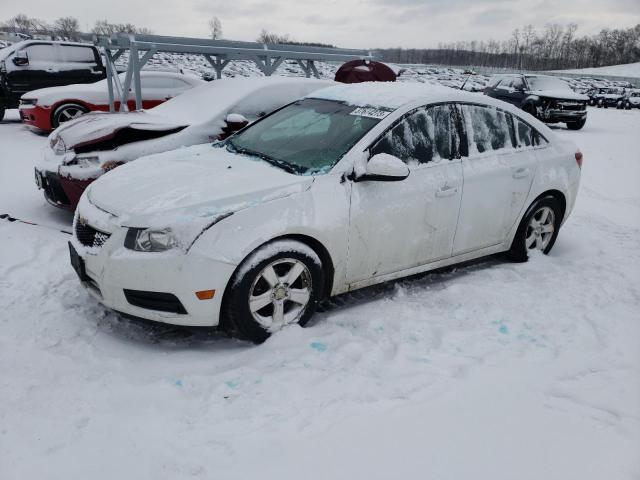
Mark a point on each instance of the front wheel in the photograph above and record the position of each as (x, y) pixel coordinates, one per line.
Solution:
(67, 112)
(576, 125)
(538, 229)
(279, 284)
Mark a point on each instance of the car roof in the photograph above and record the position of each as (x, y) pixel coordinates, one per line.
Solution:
(393, 95)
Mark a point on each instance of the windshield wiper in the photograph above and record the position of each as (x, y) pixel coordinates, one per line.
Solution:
(272, 161)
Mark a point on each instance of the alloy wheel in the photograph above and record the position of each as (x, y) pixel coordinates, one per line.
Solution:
(280, 293)
(540, 229)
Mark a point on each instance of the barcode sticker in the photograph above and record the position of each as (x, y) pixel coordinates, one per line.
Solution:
(370, 112)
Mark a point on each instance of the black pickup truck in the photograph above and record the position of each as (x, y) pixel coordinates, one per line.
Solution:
(34, 64)
(547, 98)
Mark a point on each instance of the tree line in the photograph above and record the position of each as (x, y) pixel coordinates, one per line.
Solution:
(65, 28)
(553, 47)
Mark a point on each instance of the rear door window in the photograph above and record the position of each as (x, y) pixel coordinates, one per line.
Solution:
(526, 135)
(487, 128)
(78, 54)
(422, 136)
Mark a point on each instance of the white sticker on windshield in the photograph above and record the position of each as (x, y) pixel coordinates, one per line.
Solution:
(370, 112)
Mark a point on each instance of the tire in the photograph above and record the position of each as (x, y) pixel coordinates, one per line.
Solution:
(531, 110)
(67, 112)
(2, 110)
(262, 276)
(528, 232)
(627, 106)
(576, 125)
(600, 103)
(619, 105)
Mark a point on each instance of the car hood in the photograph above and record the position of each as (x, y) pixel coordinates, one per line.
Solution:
(96, 127)
(190, 186)
(560, 94)
(52, 94)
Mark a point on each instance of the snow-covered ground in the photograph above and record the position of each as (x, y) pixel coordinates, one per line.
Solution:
(488, 371)
(625, 70)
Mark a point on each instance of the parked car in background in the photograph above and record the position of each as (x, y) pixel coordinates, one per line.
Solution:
(47, 108)
(547, 98)
(631, 99)
(609, 97)
(352, 186)
(84, 148)
(35, 64)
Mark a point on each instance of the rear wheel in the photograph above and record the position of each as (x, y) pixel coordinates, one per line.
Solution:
(538, 229)
(279, 284)
(67, 112)
(2, 110)
(576, 125)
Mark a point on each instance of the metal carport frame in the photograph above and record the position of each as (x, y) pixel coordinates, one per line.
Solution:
(218, 53)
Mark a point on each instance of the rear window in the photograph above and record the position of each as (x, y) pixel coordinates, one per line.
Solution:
(78, 54)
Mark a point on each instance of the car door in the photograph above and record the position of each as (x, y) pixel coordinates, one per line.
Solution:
(40, 71)
(398, 225)
(498, 173)
(514, 93)
(80, 64)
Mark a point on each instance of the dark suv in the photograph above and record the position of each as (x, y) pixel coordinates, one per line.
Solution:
(35, 64)
(547, 98)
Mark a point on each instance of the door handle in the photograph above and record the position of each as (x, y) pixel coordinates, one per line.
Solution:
(521, 173)
(446, 191)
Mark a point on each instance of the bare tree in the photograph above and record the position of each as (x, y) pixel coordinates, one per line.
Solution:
(215, 28)
(67, 28)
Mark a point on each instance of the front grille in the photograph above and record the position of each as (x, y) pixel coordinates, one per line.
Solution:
(89, 236)
(160, 301)
(572, 106)
(53, 190)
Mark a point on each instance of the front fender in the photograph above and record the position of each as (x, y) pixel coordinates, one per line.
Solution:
(321, 212)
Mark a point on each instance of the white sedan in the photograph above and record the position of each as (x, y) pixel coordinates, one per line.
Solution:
(349, 187)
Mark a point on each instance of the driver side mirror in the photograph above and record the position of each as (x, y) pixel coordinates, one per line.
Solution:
(20, 59)
(383, 167)
(233, 123)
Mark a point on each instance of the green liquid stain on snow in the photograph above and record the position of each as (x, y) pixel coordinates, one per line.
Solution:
(319, 347)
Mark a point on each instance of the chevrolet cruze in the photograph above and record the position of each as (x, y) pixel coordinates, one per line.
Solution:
(350, 186)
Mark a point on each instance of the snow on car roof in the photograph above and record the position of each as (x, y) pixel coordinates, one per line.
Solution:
(391, 95)
(207, 101)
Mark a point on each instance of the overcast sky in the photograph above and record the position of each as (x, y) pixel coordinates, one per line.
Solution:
(346, 23)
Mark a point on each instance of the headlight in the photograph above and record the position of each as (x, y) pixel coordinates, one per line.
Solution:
(58, 145)
(150, 240)
(86, 162)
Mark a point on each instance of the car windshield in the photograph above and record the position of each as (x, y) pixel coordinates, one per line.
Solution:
(547, 83)
(309, 136)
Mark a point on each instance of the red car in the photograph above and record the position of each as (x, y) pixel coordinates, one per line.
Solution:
(47, 108)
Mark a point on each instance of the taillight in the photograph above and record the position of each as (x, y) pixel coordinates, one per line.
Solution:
(579, 158)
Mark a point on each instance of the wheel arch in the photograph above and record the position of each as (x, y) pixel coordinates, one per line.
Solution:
(314, 244)
(558, 195)
(68, 101)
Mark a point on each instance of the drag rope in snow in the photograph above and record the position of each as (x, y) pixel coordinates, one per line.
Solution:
(9, 218)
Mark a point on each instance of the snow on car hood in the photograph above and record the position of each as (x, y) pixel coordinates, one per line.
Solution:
(47, 96)
(560, 94)
(96, 126)
(190, 186)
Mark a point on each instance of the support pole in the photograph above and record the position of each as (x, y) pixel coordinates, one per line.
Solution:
(135, 63)
(110, 73)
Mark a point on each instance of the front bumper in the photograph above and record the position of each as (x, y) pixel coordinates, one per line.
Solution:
(111, 269)
(60, 191)
(558, 115)
(36, 116)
